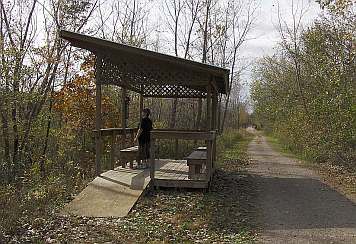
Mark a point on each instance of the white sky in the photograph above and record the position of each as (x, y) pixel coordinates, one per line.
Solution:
(265, 36)
(265, 32)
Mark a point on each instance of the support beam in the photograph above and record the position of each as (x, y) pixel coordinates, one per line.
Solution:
(98, 122)
(214, 109)
(123, 115)
(141, 102)
(208, 107)
(152, 160)
(214, 121)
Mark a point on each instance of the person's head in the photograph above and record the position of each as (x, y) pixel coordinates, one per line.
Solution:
(146, 112)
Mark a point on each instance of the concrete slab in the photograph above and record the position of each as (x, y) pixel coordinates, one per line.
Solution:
(112, 194)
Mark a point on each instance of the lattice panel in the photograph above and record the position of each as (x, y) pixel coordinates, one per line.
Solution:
(171, 91)
(157, 80)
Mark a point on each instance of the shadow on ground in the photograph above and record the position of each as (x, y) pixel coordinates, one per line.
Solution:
(303, 203)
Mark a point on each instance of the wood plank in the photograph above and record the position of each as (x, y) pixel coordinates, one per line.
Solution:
(115, 131)
(208, 106)
(201, 184)
(98, 122)
(201, 148)
(130, 149)
(152, 158)
(185, 135)
(197, 155)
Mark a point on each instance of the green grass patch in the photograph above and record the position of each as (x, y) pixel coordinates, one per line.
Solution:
(286, 150)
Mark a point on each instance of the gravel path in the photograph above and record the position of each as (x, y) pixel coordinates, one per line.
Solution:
(296, 206)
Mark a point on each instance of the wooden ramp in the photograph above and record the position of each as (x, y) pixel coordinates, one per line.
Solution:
(115, 192)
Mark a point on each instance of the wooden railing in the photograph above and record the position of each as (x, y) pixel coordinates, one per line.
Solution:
(208, 136)
(113, 133)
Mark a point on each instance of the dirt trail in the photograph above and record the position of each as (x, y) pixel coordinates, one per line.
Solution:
(296, 206)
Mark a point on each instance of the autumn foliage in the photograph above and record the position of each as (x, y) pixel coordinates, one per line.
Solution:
(76, 100)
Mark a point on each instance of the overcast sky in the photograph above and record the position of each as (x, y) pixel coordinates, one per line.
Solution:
(265, 32)
(265, 36)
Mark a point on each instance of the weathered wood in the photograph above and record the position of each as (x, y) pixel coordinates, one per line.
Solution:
(130, 149)
(197, 155)
(199, 184)
(98, 139)
(152, 159)
(129, 66)
(214, 121)
(115, 131)
(123, 114)
(209, 160)
(112, 151)
(178, 129)
(160, 134)
(214, 110)
(128, 155)
(201, 148)
(196, 160)
(141, 102)
(208, 107)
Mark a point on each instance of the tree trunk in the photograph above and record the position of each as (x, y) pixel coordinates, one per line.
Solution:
(198, 120)
(5, 133)
(172, 122)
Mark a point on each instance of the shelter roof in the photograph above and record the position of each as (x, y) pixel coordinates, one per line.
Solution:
(150, 73)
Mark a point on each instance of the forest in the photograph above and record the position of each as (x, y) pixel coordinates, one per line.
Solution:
(303, 94)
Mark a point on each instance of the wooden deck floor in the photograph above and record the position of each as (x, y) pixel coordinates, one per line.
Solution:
(174, 170)
(168, 173)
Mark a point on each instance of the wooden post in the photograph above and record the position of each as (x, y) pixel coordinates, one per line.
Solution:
(214, 110)
(219, 115)
(123, 115)
(98, 139)
(141, 102)
(152, 160)
(214, 124)
(112, 154)
(209, 159)
(208, 107)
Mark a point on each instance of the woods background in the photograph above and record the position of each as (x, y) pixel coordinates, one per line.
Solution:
(304, 93)
(47, 87)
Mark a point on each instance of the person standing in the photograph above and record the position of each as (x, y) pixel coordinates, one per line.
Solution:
(143, 137)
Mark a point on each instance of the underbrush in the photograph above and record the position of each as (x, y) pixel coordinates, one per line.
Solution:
(27, 204)
(225, 214)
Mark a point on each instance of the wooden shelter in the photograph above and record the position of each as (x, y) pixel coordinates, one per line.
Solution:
(153, 74)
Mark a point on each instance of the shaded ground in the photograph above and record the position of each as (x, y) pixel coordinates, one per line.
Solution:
(296, 206)
(223, 215)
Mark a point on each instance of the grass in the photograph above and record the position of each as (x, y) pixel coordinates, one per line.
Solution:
(225, 214)
(283, 148)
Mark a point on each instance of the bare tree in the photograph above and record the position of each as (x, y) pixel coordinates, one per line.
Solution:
(290, 35)
(243, 16)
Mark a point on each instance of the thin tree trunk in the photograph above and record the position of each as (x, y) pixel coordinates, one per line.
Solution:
(200, 108)
(172, 122)
(205, 43)
(43, 158)
(5, 133)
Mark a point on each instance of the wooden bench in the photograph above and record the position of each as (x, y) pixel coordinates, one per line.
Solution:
(128, 155)
(196, 160)
(201, 148)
